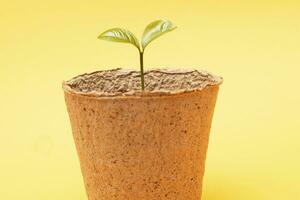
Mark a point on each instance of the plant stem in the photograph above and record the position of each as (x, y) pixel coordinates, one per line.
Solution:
(142, 70)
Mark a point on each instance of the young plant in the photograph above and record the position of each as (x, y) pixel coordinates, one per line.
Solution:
(154, 30)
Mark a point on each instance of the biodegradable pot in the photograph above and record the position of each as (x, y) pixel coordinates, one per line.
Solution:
(144, 147)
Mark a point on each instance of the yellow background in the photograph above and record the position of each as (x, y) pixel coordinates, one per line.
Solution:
(254, 44)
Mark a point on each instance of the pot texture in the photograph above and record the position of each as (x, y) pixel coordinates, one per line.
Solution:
(142, 147)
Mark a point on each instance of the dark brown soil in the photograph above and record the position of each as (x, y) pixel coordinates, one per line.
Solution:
(118, 82)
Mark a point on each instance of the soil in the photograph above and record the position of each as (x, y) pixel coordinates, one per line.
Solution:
(121, 82)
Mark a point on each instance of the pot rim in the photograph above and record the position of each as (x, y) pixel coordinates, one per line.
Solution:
(137, 95)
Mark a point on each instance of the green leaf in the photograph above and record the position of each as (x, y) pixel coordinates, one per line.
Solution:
(119, 35)
(156, 29)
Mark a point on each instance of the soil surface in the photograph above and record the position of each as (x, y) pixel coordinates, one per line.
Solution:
(121, 82)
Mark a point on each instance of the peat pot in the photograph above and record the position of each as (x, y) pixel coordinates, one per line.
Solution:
(142, 145)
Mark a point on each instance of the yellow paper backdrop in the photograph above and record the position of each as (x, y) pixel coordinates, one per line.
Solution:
(254, 44)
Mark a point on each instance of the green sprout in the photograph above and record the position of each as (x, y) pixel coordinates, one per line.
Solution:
(154, 30)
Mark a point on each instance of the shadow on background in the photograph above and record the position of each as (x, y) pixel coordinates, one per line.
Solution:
(224, 190)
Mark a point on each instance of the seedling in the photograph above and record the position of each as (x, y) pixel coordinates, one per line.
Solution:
(154, 30)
